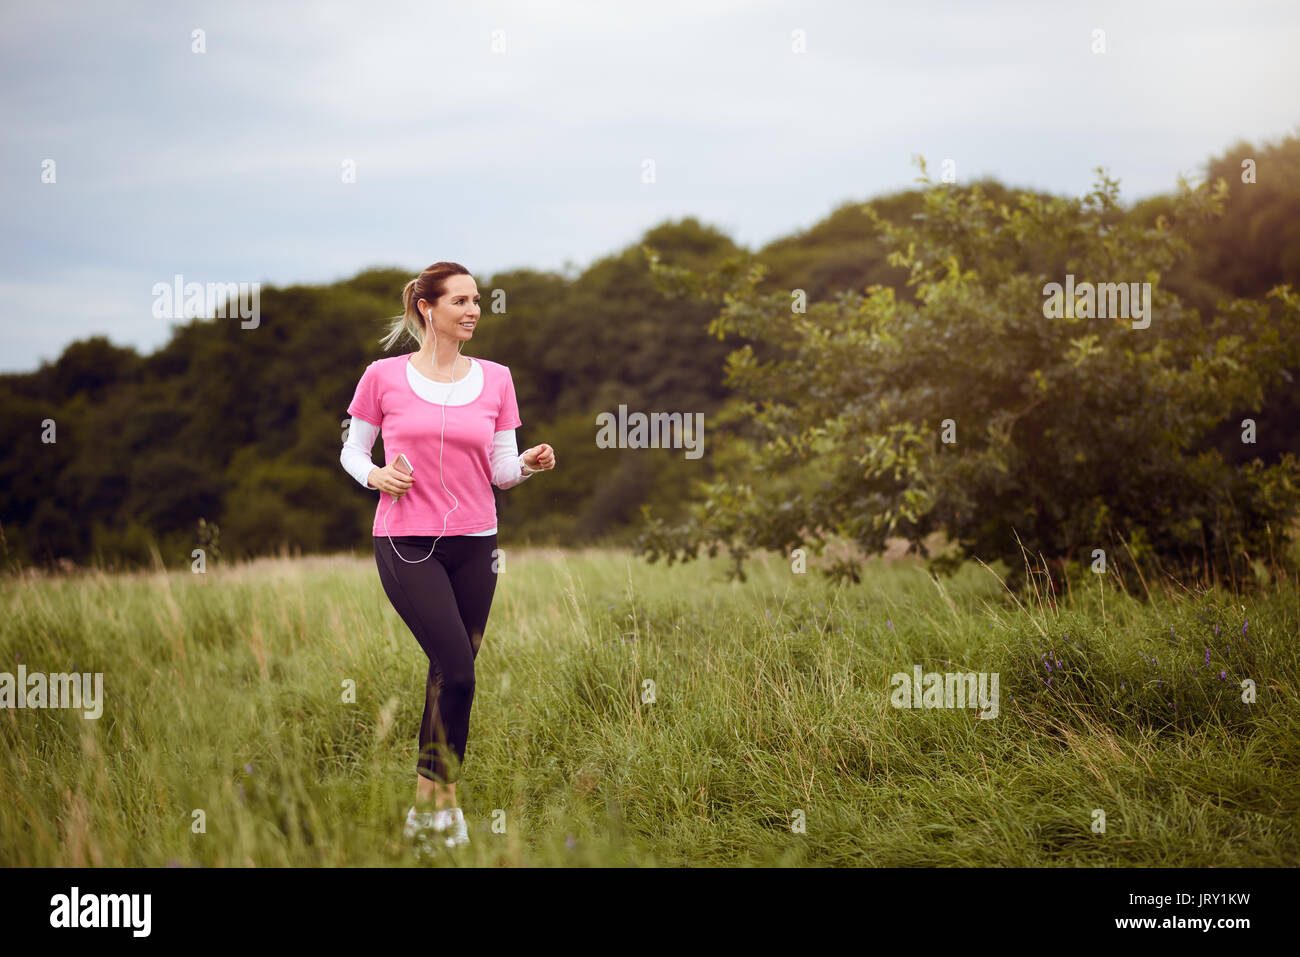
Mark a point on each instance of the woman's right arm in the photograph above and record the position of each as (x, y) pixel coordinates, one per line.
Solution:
(367, 415)
(356, 459)
(355, 456)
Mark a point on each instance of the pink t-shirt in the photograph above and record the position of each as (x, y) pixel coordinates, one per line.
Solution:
(413, 425)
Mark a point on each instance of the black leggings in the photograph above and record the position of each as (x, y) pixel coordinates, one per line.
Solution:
(445, 602)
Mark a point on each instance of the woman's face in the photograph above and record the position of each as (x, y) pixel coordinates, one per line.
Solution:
(456, 312)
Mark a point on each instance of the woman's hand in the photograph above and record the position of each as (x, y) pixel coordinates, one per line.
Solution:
(390, 480)
(540, 457)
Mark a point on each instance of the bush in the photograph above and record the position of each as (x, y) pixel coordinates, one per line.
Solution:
(980, 411)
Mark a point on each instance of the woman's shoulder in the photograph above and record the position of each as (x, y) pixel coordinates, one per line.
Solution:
(495, 370)
(386, 365)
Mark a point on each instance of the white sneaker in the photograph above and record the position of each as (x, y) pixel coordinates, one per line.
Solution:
(460, 831)
(428, 827)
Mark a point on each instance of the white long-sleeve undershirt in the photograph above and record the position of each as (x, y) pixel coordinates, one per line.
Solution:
(507, 462)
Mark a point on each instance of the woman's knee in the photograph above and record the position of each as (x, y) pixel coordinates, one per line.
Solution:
(463, 684)
(460, 683)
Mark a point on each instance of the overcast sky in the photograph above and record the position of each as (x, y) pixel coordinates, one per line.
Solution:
(513, 134)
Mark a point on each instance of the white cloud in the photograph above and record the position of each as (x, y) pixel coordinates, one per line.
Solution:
(228, 163)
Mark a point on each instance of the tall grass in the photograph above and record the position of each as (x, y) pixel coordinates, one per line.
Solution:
(770, 739)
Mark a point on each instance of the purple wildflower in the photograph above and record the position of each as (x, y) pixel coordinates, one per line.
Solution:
(1207, 656)
(1223, 676)
(1216, 629)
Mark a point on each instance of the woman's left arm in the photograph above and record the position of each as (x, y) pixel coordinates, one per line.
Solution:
(506, 460)
(510, 467)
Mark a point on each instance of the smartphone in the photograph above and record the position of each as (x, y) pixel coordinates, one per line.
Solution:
(402, 465)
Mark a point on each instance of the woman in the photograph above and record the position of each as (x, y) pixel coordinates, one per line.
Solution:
(453, 419)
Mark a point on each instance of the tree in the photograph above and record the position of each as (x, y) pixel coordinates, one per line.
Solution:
(969, 411)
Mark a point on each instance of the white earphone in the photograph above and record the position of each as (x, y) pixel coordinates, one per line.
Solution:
(441, 445)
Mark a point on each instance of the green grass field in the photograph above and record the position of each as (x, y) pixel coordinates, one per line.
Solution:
(770, 740)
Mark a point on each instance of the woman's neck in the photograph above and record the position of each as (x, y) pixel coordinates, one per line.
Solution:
(445, 361)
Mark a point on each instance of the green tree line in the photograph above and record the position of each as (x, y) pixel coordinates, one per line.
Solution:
(239, 429)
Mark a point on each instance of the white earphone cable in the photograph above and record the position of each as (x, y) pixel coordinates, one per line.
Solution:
(442, 442)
